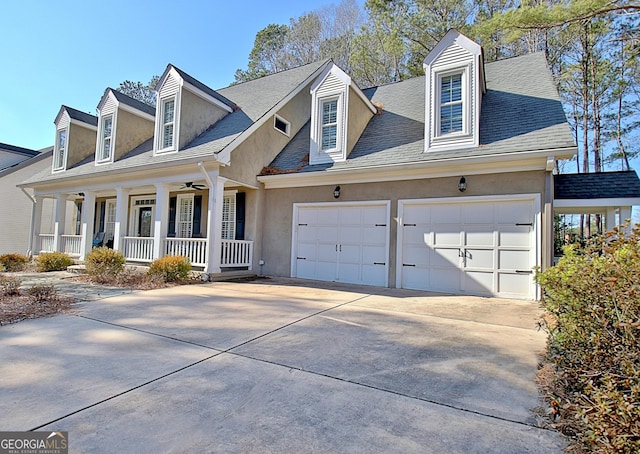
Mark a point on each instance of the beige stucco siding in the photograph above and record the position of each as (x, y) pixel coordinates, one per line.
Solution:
(196, 115)
(131, 131)
(248, 159)
(81, 144)
(359, 116)
(277, 233)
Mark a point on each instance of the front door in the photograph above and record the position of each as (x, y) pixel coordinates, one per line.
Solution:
(144, 221)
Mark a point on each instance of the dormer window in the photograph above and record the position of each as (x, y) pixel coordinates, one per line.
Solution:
(61, 150)
(329, 124)
(105, 151)
(168, 123)
(451, 104)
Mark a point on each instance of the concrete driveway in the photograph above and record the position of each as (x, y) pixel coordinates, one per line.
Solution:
(280, 365)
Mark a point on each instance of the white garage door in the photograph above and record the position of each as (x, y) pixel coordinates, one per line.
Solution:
(484, 247)
(342, 242)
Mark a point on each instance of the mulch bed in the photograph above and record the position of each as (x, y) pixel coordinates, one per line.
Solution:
(15, 308)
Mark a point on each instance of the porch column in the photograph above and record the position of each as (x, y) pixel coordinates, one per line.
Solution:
(625, 213)
(610, 219)
(36, 226)
(120, 227)
(58, 226)
(214, 225)
(86, 229)
(161, 219)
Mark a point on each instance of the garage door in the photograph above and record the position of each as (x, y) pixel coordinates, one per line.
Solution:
(342, 242)
(484, 247)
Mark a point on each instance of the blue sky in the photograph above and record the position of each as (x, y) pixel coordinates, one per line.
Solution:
(68, 52)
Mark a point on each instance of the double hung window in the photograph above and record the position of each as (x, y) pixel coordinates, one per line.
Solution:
(61, 150)
(168, 122)
(105, 139)
(451, 104)
(329, 126)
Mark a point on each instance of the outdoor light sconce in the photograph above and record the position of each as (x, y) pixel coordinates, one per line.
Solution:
(462, 184)
(336, 192)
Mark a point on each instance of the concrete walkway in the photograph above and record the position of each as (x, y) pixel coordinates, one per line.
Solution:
(280, 366)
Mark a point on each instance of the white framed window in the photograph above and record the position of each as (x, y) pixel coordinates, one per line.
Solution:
(106, 143)
(167, 129)
(60, 154)
(281, 125)
(451, 106)
(141, 215)
(184, 217)
(329, 124)
(109, 219)
(229, 216)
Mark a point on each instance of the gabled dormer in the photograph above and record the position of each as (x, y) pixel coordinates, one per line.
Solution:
(455, 81)
(123, 124)
(185, 108)
(75, 138)
(339, 114)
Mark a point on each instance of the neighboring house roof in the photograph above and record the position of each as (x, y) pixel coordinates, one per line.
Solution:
(76, 114)
(44, 153)
(254, 99)
(600, 185)
(128, 100)
(18, 150)
(521, 111)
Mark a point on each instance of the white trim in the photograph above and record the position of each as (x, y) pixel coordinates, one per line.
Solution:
(100, 139)
(56, 149)
(576, 206)
(179, 199)
(73, 121)
(160, 148)
(287, 129)
(133, 213)
(136, 112)
(294, 223)
(534, 291)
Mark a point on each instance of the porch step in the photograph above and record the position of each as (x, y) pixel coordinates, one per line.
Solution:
(231, 275)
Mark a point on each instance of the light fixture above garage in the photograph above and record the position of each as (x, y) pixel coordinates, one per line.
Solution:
(336, 192)
(462, 184)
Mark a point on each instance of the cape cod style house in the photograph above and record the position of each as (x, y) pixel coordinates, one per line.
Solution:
(442, 182)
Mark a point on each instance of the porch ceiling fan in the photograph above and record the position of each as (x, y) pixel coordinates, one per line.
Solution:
(191, 185)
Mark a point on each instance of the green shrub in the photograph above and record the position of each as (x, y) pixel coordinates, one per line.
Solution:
(104, 264)
(53, 261)
(14, 262)
(593, 295)
(9, 285)
(170, 268)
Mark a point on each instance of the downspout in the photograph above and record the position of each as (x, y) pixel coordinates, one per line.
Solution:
(205, 174)
(33, 213)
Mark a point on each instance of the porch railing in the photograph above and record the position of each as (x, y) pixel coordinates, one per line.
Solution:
(236, 253)
(45, 242)
(194, 248)
(138, 249)
(70, 244)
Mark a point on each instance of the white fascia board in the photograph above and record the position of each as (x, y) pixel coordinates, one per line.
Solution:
(83, 124)
(224, 155)
(577, 205)
(346, 79)
(196, 91)
(499, 163)
(137, 112)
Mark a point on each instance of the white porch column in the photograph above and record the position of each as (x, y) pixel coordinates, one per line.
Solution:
(86, 229)
(610, 219)
(36, 226)
(625, 213)
(161, 220)
(214, 225)
(58, 226)
(122, 208)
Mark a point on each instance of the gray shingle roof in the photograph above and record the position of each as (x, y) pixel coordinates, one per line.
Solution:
(131, 102)
(81, 116)
(200, 86)
(253, 100)
(601, 185)
(18, 150)
(521, 111)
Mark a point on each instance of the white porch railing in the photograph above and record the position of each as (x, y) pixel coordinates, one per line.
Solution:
(70, 244)
(138, 249)
(46, 242)
(193, 248)
(236, 253)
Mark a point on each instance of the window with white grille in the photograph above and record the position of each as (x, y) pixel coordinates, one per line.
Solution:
(229, 217)
(61, 149)
(105, 139)
(184, 218)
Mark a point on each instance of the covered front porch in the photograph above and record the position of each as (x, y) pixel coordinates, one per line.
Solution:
(201, 217)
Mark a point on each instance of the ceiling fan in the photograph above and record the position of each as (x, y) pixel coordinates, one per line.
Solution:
(190, 185)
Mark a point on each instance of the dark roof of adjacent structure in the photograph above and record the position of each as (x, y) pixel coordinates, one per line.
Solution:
(81, 116)
(600, 185)
(128, 100)
(18, 150)
(44, 153)
(521, 111)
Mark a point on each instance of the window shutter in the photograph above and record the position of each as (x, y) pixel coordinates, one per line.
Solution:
(240, 215)
(197, 214)
(171, 232)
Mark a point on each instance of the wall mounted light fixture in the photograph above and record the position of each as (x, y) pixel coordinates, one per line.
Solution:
(336, 192)
(462, 184)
